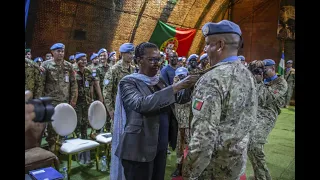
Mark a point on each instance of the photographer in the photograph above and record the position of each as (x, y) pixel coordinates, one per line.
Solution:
(29, 112)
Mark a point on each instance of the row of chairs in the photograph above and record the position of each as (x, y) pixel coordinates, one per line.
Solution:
(65, 122)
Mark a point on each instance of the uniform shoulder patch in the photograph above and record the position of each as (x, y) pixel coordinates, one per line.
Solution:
(197, 104)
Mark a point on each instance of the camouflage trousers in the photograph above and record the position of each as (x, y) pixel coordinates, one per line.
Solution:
(289, 94)
(257, 159)
(83, 121)
(222, 167)
(182, 141)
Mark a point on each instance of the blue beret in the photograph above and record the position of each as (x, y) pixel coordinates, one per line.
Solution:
(204, 56)
(57, 46)
(101, 51)
(112, 53)
(179, 58)
(268, 62)
(289, 62)
(192, 56)
(71, 57)
(221, 27)
(242, 58)
(38, 59)
(93, 56)
(126, 47)
(80, 55)
(181, 70)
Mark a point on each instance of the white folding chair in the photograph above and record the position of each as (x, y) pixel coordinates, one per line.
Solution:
(97, 119)
(64, 123)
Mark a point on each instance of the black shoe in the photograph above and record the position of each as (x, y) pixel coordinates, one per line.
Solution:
(177, 172)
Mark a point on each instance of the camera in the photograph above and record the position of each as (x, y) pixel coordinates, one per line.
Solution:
(43, 108)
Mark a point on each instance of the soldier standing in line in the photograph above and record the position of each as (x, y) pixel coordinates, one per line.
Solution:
(112, 78)
(290, 78)
(59, 83)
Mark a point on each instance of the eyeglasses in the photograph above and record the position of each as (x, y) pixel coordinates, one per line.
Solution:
(154, 60)
(257, 71)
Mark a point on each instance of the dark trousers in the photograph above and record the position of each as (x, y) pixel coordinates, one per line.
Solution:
(153, 170)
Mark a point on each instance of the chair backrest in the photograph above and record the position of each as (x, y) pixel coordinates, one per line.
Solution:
(97, 115)
(64, 119)
(33, 136)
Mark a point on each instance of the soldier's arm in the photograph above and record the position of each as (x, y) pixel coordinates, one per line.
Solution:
(38, 78)
(107, 90)
(206, 108)
(274, 93)
(96, 84)
(74, 87)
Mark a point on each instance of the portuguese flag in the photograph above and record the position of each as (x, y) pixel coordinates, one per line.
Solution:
(169, 38)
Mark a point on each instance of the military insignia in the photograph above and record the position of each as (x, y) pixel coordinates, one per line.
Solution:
(106, 82)
(197, 104)
(205, 30)
(275, 91)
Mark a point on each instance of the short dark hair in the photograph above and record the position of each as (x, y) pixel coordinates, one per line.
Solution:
(139, 50)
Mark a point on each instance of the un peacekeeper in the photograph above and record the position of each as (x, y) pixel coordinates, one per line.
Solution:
(85, 80)
(59, 83)
(72, 60)
(290, 78)
(243, 60)
(38, 60)
(193, 67)
(95, 73)
(183, 117)
(104, 66)
(114, 75)
(112, 58)
(204, 62)
(33, 78)
(271, 97)
(180, 64)
(224, 107)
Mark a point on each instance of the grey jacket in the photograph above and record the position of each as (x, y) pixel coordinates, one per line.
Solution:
(140, 137)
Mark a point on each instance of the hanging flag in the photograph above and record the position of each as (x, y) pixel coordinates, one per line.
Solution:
(281, 65)
(169, 38)
(26, 10)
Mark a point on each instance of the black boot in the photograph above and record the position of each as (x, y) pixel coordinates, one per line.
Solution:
(178, 171)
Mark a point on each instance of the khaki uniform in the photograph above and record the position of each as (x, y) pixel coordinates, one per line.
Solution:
(61, 85)
(33, 78)
(110, 84)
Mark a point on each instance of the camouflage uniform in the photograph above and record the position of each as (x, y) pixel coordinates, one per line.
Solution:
(271, 97)
(60, 84)
(102, 72)
(110, 84)
(290, 78)
(85, 81)
(183, 115)
(95, 73)
(33, 78)
(224, 107)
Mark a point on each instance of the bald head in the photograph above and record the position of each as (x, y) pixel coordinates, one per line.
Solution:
(221, 46)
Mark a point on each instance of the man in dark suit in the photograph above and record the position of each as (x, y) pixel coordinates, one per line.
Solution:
(150, 123)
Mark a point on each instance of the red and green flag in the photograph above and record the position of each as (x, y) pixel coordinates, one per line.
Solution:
(169, 38)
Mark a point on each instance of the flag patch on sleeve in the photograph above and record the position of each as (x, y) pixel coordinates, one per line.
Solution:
(197, 104)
